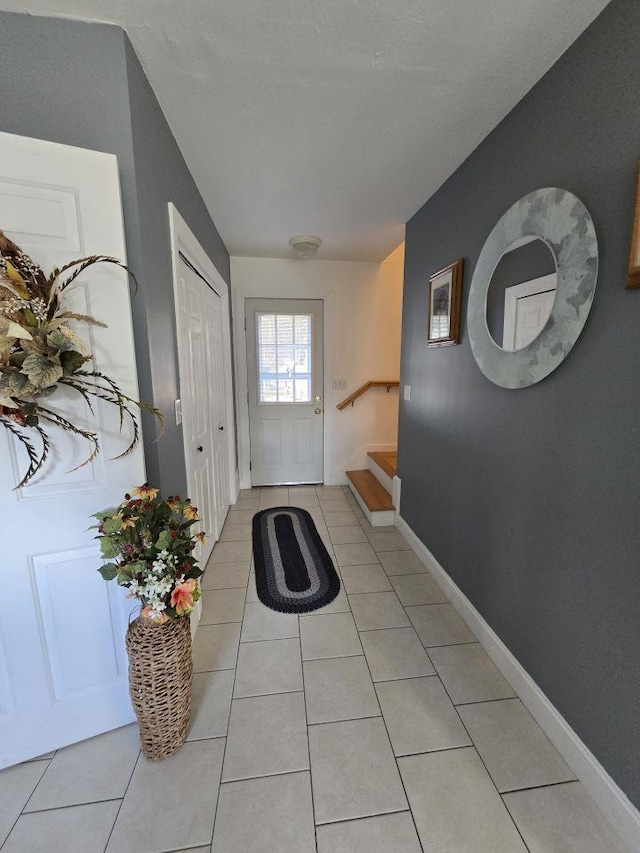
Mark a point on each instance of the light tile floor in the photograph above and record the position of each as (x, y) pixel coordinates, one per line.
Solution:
(375, 725)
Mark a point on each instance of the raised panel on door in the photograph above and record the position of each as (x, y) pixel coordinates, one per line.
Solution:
(58, 579)
(62, 658)
(302, 441)
(532, 313)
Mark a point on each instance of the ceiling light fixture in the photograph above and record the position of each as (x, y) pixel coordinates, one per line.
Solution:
(305, 246)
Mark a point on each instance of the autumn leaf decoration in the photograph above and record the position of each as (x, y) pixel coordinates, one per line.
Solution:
(40, 353)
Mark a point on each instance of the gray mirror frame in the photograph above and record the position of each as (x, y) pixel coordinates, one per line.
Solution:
(560, 219)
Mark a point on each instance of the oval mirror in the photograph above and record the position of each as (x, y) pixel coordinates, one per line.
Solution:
(548, 234)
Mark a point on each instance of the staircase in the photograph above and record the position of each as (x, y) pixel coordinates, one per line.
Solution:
(373, 487)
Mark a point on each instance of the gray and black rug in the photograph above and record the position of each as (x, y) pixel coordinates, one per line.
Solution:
(294, 572)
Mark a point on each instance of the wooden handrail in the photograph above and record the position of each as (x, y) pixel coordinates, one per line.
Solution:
(363, 389)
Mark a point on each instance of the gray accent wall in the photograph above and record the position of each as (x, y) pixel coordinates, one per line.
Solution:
(530, 498)
(82, 84)
(161, 175)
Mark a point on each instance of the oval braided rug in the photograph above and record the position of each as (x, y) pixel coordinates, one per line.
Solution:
(294, 572)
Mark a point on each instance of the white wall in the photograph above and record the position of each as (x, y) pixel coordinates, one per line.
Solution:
(362, 325)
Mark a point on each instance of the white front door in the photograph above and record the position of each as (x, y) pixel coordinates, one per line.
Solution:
(63, 665)
(203, 394)
(286, 396)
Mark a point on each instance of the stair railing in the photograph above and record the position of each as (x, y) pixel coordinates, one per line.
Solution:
(364, 388)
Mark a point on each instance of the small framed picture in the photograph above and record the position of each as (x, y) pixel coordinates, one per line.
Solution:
(633, 275)
(445, 302)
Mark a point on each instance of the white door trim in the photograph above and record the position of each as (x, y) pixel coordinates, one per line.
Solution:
(242, 390)
(183, 241)
(242, 378)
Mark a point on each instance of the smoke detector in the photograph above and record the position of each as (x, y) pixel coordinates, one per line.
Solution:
(305, 246)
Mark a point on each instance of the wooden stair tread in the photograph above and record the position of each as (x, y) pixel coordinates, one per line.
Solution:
(387, 460)
(375, 496)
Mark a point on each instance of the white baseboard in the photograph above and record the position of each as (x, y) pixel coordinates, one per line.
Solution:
(395, 496)
(613, 802)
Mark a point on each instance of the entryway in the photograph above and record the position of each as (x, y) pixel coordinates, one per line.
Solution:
(285, 390)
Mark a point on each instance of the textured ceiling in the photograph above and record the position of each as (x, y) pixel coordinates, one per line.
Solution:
(332, 117)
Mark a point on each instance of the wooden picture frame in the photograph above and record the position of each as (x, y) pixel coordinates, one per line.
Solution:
(445, 306)
(633, 275)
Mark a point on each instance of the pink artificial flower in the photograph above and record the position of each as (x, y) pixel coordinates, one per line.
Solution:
(182, 597)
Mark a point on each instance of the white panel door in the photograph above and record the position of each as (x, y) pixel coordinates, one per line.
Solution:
(527, 307)
(63, 666)
(285, 381)
(203, 394)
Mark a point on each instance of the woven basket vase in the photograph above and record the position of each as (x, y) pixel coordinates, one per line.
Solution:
(160, 679)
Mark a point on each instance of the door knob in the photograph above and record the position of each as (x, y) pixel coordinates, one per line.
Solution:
(221, 429)
(318, 411)
(200, 449)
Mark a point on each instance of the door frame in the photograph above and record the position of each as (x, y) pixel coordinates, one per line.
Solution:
(241, 368)
(184, 242)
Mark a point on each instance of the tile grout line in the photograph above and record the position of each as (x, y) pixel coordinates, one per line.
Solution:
(126, 790)
(238, 779)
(46, 762)
(306, 719)
(346, 719)
(395, 758)
(459, 717)
(367, 817)
(477, 751)
(515, 698)
(380, 716)
(233, 687)
(22, 812)
(463, 726)
(72, 805)
(504, 794)
(384, 722)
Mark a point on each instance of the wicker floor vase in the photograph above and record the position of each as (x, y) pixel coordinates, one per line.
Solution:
(160, 680)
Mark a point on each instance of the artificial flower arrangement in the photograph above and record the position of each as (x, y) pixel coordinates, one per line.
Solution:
(149, 544)
(40, 352)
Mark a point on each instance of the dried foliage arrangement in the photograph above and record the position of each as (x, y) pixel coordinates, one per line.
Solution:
(40, 353)
(149, 544)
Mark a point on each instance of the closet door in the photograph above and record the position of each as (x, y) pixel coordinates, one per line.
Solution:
(204, 402)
